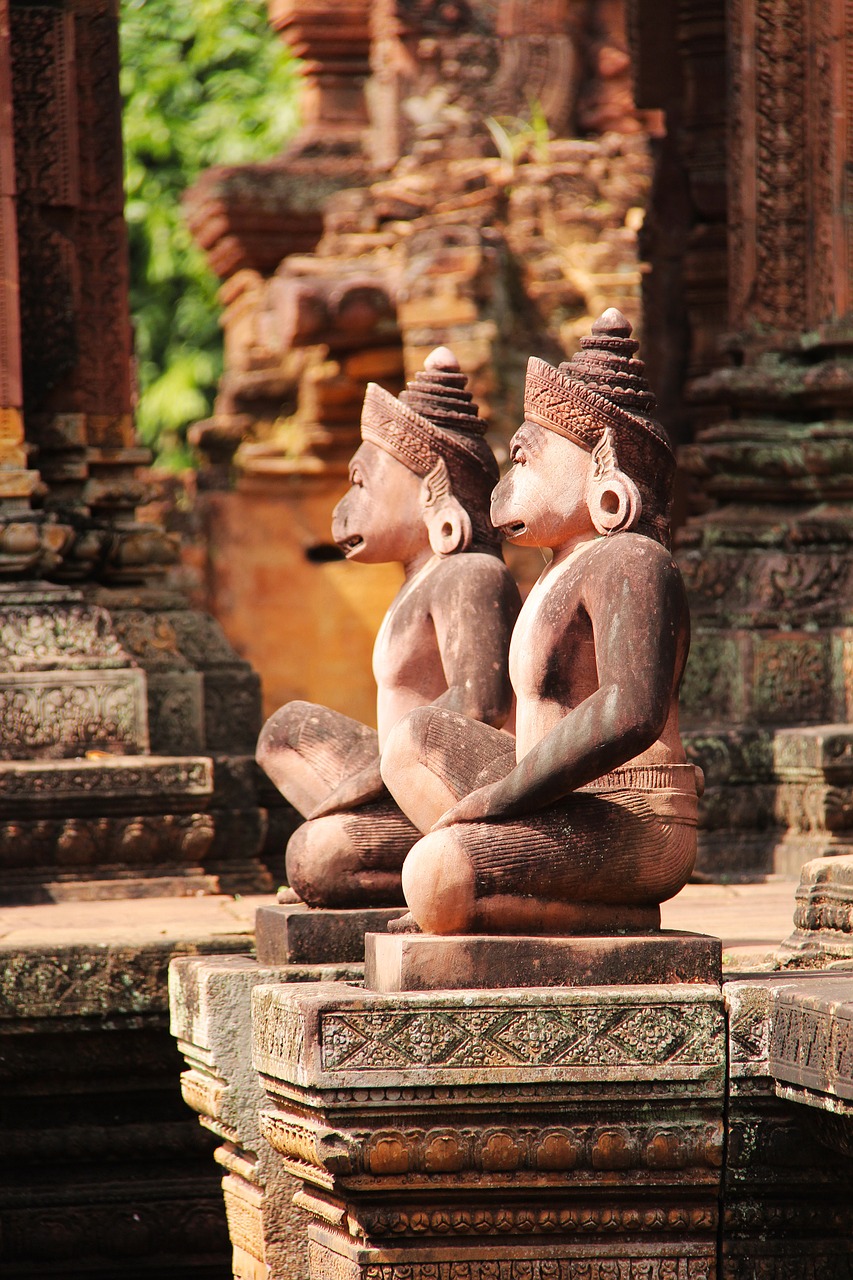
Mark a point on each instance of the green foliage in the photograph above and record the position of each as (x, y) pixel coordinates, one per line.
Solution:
(204, 82)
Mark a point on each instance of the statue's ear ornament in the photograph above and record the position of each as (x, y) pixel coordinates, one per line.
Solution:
(448, 523)
(613, 499)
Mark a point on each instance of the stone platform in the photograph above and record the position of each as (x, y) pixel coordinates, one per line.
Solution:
(426, 962)
(115, 1047)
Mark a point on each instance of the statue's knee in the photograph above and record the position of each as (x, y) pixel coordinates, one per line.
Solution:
(438, 883)
(281, 731)
(405, 745)
(320, 861)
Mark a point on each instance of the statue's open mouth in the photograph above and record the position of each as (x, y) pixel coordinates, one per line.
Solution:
(513, 529)
(349, 545)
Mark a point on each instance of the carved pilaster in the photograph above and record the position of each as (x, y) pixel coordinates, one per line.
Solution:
(75, 326)
(792, 103)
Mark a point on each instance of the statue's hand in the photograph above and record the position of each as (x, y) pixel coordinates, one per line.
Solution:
(360, 789)
(478, 806)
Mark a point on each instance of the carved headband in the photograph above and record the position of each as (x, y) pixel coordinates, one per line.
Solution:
(575, 411)
(413, 439)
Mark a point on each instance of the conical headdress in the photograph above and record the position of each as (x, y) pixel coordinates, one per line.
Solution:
(434, 418)
(603, 385)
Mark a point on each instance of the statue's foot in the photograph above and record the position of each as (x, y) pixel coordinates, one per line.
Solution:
(404, 924)
(286, 896)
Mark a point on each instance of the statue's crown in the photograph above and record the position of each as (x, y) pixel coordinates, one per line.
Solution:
(603, 385)
(434, 417)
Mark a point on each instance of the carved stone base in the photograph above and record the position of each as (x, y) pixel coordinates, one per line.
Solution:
(544, 1134)
(93, 681)
(296, 934)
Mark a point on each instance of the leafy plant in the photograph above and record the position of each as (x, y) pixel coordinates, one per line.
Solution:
(516, 137)
(203, 83)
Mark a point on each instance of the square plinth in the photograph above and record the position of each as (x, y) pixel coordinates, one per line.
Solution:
(429, 962)
(296, 934)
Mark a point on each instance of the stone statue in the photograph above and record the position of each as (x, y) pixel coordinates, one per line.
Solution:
(590, 822)
(420, 486)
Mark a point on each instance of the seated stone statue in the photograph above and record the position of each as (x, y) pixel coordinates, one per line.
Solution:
(590, 823)
(420, 486)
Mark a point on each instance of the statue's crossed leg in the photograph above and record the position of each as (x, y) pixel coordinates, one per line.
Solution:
(343, 859)
(603, 857)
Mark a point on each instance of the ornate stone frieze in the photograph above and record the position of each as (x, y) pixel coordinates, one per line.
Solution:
(638, 1265)
(446, 1038)
(582, 1153)
(61, 635)
(811, 1046)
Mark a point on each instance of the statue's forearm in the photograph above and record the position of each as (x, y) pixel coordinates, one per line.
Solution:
(589, 741)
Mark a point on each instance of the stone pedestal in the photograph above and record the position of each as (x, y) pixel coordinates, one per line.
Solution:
(120, 771)
(491, 1134)
(427, 962)
(823, 917)
(210, 1002)
(306, 935)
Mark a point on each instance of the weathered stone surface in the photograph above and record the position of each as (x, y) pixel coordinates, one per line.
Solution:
(105, 1172)
(210, 1000)
(424, 962)
(301, 935)
(811, 1047)
(341, 1037)
(786, 1208)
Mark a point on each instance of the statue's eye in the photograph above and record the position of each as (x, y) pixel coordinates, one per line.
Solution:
(355, 479)
(516, 456)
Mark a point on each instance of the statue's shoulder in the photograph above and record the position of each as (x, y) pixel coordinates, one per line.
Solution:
(472, 573)
(634, 554)
(469, 564)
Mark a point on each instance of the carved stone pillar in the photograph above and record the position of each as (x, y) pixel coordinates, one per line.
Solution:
(27, 544)
(106, 663)
(333, 41)
(767, 553)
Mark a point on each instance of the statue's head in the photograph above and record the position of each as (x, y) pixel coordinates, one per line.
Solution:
(589, 456)
(424, 472)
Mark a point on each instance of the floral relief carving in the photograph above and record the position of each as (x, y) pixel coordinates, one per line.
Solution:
(501, 1037)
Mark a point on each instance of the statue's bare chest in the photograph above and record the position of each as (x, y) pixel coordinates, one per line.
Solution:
(552, 655)
(405, 653)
